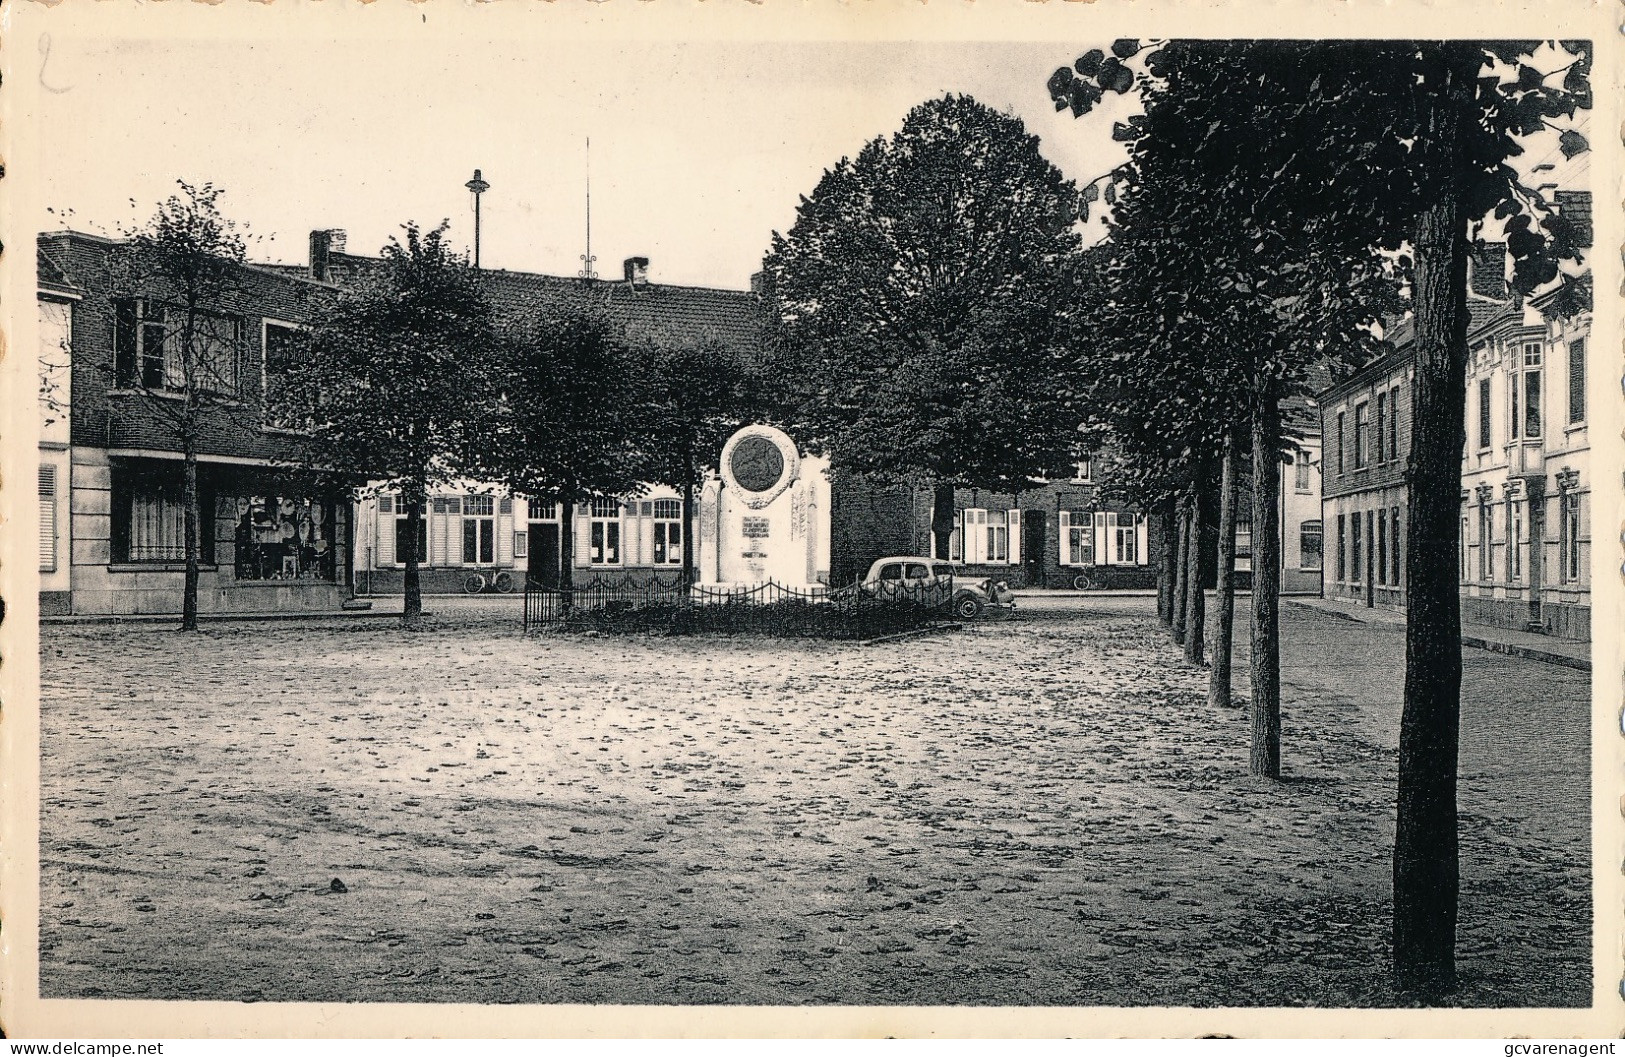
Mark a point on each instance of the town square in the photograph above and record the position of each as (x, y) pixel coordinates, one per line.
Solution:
(1090, 521)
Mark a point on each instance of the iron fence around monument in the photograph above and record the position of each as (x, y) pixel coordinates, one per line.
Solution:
(857, 611)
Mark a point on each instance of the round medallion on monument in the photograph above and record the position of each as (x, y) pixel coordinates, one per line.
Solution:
(760, 462)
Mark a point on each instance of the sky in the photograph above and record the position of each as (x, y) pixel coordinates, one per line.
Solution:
(699, 150)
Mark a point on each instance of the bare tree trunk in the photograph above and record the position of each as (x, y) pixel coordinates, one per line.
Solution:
(1168, 561)
(688, 520)
(942, 518)
(1426, 869)
(1181, 567)
(1196, 603)
(1224, 616)
(1265, 756)
(567, 551)
(412, 600)
(192, 516)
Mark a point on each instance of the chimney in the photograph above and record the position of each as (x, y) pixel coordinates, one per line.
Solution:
(1487, 271)
(637, 270)
(758, 283)
(318, 255)
(335, 240)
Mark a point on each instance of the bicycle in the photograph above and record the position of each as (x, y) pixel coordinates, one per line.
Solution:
(1087, 582)
(498, 580)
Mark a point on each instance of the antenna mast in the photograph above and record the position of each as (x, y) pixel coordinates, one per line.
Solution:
(587, 259)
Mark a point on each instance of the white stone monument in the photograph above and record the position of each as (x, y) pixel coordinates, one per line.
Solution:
(767, 518)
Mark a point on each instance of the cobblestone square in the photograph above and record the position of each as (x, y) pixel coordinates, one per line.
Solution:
(1033, 811)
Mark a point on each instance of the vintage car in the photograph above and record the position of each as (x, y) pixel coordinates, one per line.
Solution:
(931, 580)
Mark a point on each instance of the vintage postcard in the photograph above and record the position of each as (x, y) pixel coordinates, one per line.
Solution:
(811, 519)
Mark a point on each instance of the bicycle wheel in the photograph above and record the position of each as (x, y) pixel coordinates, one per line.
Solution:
(1084, 582)
(503, 582)
(473, 584)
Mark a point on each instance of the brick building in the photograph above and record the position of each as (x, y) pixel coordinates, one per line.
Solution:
(110, 463)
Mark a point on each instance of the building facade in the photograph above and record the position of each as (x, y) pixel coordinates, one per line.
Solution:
(111, 517)
(1525, 532)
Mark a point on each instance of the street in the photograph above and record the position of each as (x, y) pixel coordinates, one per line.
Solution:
(1039, 810)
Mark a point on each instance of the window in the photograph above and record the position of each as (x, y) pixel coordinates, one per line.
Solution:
(1461, 547)
(521, 544)
(1382, 424)
(1393, 546)
(151, 342)
(668, 532)
(1077, 537)
(422, 545)
(1531, 404)
(1577, 381)
(149, 519)
(1126, 540)
(479, 530)
(604, 536)
(1514, 539)
(956, 538)
(1379, 543)
(47, 519)
(998, 540)
(1309, 545)
(1486, 541)
(1525, 392)
(282, 352)
(1300, 471)
(1393, 423)
(1359, 435)
(891, 571)
(281, 537)
(1339, 440)
(1342, 551)
(540, 511)
(1080, 470)
(1483, 413)
(1569, 536)
(1355, 556)
(1244, 537)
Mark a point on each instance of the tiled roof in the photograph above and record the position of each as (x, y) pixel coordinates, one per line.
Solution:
(733, 317)
(50, 274)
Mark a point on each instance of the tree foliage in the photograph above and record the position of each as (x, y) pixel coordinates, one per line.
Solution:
(914, 298)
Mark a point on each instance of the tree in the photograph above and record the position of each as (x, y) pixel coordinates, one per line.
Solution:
(913, 297)
(186, 259)
(568, 429)
(397, 380)
(695, 394)
(1347, 149)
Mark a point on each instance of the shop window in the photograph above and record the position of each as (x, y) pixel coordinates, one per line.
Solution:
(283, 537)
(604, 537)
(479, 530)
(47, 519)
(1309, 545)
(668, 531)
(149, 518)
(151, 344)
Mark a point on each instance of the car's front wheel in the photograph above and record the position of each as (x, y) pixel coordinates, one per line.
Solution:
(967, 607)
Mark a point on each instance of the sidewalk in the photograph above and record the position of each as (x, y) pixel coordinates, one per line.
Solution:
(1536, 647)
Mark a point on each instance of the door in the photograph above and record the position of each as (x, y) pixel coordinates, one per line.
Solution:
(544, 554)
(1032, 547)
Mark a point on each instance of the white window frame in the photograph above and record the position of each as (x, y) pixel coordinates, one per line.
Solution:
(606, 535)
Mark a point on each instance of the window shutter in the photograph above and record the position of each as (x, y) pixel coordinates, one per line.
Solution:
(1063, 556)
(1142, 549)
(1115, 554)
(1014, 516)
(386, 536)
(583, 535)
(504, 530)
(1103, 554)
(976, 543)
(1577, 380)
(47, 519)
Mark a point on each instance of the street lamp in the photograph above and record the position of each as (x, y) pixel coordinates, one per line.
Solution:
(479, 187)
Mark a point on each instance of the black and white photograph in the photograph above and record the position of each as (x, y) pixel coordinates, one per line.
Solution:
(1033, 519)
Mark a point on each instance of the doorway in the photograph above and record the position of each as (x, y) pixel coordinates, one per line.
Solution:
(544, 554)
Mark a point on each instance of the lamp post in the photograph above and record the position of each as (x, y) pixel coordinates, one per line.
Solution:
(479, 187)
